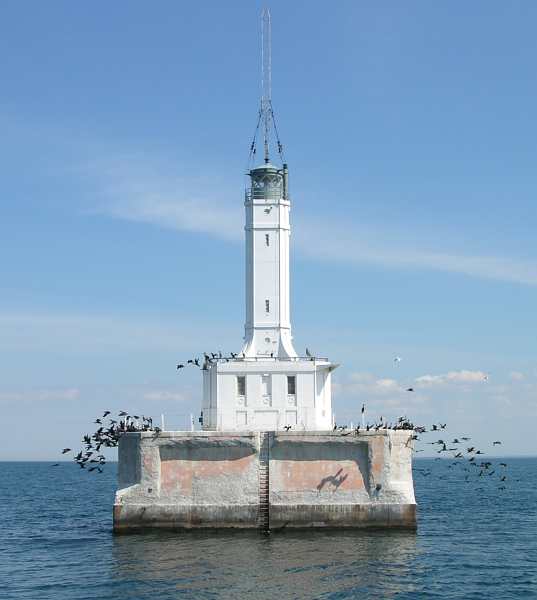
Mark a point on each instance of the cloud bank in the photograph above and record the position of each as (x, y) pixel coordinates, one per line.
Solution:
(132, 195)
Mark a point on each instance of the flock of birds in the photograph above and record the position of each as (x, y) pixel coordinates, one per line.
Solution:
(107, 435)
(461, 454)
(203, 362)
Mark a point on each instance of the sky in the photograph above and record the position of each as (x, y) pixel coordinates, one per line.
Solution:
(411, 138)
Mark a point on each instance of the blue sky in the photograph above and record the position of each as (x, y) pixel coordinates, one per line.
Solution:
(410, 134)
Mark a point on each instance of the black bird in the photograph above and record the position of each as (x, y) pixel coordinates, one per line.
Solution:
(233, 355)
(496, 443)
(180, 366)
(470, 449)
(98, 421)
(65, 450)
(106, 413)
(503, 464)
(287, 427)
(189, 362)
(123, 414)
(197, 362)
(410, 389)
(465, 439)
(308, 353)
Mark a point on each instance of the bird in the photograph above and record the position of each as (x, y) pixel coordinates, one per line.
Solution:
(503, 464)
(180, 366)
(397, 359)
(287, 427)
(410, 389)
(105, 414)
(497, 443)
(308, 353)
(55, 465)
(65, 450)
(123, 414)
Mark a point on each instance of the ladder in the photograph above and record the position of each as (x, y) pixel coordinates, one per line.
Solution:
(263, 518)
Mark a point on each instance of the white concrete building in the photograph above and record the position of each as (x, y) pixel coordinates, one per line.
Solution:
(267, 386)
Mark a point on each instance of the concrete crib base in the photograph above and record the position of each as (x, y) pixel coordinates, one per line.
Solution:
(264, 480)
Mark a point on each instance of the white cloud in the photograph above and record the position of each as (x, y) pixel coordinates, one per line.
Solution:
(85, 332)
(40, 395)
(516, 376)
(165, 396)
(452, 377)
(134, 194)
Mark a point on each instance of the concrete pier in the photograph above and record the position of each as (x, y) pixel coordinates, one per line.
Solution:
(216, 479)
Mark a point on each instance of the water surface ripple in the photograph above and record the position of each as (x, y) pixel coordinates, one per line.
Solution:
(473, 541)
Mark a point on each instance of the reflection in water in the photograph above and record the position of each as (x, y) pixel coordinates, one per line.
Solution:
(305, 564)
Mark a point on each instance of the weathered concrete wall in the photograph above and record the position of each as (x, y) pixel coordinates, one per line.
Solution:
(316, 479)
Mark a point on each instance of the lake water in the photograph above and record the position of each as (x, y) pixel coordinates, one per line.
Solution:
(473, 541)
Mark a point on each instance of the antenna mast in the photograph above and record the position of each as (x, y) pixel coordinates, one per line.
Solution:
(266, 67)
(266, 118)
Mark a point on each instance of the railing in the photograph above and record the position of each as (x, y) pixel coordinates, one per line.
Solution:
(264, 358)
(270, 193)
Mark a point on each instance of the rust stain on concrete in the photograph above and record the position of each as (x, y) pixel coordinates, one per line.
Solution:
(316, 475)
(178, 475)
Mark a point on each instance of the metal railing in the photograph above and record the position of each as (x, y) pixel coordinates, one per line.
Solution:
(271, 193)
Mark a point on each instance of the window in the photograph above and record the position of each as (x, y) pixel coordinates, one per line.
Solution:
(267, 306)
(291, 385)
(266, 387)
(267, 239)
(241, 385)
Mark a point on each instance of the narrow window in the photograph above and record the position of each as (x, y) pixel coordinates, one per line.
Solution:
(241, 385)
(267, 306)
(267, 239)
(291, 385)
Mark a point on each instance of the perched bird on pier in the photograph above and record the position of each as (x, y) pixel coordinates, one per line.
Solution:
(287, 427)
(308, 353)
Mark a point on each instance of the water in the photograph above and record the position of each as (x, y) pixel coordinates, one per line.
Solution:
(473, 541)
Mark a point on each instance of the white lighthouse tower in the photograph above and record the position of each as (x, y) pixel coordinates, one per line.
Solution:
(267, 386)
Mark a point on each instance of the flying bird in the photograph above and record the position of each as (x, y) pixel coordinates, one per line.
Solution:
(65, 450)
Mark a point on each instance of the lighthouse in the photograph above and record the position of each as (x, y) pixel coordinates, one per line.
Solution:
(267, 385)
(268, 455)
